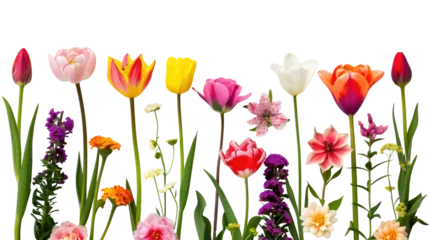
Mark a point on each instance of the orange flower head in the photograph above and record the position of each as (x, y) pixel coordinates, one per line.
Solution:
(118, 195)
(99, 141)
(349, 85)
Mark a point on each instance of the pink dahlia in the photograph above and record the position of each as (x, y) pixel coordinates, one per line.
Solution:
(69, 231)
(373, 130)
(155, 227)
(329, 148)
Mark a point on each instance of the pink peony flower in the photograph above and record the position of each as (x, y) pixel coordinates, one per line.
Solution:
(73, 65)
(267, 114)
(372, 130)
(69, 231)
(329, 148)
(155, 227)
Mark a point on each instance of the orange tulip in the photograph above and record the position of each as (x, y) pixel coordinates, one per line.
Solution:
(129, 77)
(349, 85)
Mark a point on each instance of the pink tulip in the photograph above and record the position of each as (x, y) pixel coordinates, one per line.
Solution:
(73, 65)
(222, 94)
(329, 148)
(69, 231)
(21, 69)
(155, 227)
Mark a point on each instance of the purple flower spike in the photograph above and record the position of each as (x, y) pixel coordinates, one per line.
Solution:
(373, 130)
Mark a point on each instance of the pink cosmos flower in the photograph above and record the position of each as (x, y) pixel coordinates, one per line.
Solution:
(329, 148)
(73, 65)
(155, 227)
(69, 231)
(267, 115)
(372, 130)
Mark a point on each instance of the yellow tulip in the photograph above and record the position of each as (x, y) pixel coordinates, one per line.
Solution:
(129, 77)
(180, 74)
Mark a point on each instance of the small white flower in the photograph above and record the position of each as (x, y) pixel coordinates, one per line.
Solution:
(318, 220)
(390, 230)
(167, 187)
(152, 173)
(152, 145)
(152, 107)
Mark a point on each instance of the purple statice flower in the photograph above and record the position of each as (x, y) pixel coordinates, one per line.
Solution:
(57, 133)
(275, 210)
(52, 117)
(373, 130)
(69, 125)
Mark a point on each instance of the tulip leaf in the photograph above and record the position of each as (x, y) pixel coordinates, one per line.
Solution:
(202, 224)
(24, 185)
(312, 190)
(360, 186)
(398, 140)
(253, 223)
(131, 208)
(395, 127)
(229, 213)
(91, 193)
(186, 181)
(15, 140)
(335, 204)
(295, 208)
(79, 178)
(412, 130)
(292, 227)
(416, 204)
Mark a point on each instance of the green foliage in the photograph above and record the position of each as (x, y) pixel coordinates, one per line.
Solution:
(202, 223)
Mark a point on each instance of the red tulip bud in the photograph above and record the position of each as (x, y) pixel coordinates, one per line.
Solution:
(401, 71)
(21, 70)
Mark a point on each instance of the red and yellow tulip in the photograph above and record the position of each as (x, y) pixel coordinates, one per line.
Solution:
(129, 77)
(349, 85)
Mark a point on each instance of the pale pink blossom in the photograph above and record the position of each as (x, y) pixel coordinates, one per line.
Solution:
(155, 227)
(73, 65)
(68, 231)
(267, 114)
(329, 148)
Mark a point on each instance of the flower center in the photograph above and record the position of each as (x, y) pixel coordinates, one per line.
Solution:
(319, 219)
(390, 236)
(328, 146)
(156, 236)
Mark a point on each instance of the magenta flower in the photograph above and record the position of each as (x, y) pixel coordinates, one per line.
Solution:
(222, 94)
(267, 115)
(155, 227)
(21, 69)
(69, 231)
(372, 130)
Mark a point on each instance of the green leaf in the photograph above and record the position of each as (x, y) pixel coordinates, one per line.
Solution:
(315, 194)
(412, 130)
(91, 193)
(79, 178)
(131, 208)
(416, 205)
(24, 184)
(378, 164)
(422, 222)
(292, 227)
(335, 204)
(186, 181)
(398, 139)
(306, 198)
(270, 95)
(357, 204)
(368, 165)
(220, 235)
(312, 190)
(379, 179)
(352, 228)
(359, 186)
(203, 229)
(395, 127)
(157, 211)
(407, 180)
(360, 168)
(326, 175)
(253, 129)
(15, 140)
(295, 207)
(253, 223)
(373, 210)
(336, 174)
(229, 213)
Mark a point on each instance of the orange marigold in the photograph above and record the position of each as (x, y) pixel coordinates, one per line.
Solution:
(104, 143)
(117, 194)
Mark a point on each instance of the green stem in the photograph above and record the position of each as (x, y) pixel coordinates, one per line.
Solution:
(354, 180)
(222, 127)
(177, 207)
(322, 199)
(137, 160)
(390, 187)
(17, 230)
(163, 164)
(172, 161)
(94, 205)
(369, 193)
(157, 193)
(21, 96)
(179, 223)
(299, 156)
(182, 154)
(85, 148)
(108, 222)
(246, 219)
(404, 123)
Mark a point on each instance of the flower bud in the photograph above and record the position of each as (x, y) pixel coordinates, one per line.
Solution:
(21, 69)
(401, 71)
(232, 227)
(152, 144)
(172, 141)
(157, 155)
(253, 232)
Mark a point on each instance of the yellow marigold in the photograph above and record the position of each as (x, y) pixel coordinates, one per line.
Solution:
(104, 143)
(117, 194)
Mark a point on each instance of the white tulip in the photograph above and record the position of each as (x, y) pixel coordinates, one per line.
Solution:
(295, 76)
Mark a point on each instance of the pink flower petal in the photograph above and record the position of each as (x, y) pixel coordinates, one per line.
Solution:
(316, 145)
(278, 121)
(275, 107)
(331, 135)
(316, 158)
(344, 150)
(262, 129)
(342, 140)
